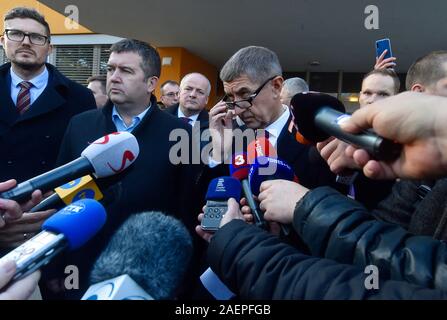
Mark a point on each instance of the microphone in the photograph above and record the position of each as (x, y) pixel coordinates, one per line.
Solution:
(82, 188)
(318, 116)
(268, 168)
(152, 249)
(261, 171)
(260, 147)
(219, 191)
(104, 157)
(68, 228)
(239, 169)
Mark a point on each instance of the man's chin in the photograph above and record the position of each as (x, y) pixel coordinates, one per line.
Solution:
(30, 66)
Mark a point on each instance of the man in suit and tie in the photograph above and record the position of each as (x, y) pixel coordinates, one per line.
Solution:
(36, 104)
(195, 89)
(36, 100)
(252, 80)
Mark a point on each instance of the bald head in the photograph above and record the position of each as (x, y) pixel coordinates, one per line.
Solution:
(195, 89)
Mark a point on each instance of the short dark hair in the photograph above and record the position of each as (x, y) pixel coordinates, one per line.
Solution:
(171, 82)
(28, 13)
(101, 78)
(151, 64)
(427, 69)
(386, 73)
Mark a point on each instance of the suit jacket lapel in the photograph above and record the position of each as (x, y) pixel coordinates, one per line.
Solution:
(288, 148)
(8, 112)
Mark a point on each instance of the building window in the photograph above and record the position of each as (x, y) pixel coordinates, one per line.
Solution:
(79, 62)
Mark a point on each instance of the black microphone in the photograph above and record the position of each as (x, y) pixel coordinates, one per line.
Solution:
(106, 156)
(318, 116)
(153, 249)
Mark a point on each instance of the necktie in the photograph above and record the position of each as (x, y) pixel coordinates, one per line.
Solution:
(186, 120)
(24, 97)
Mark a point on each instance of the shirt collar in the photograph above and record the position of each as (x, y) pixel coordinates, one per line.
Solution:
(39, 81)
(194, 117)
(276, 127)
(135, 120)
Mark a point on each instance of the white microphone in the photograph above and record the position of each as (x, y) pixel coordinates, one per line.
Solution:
(104, 157)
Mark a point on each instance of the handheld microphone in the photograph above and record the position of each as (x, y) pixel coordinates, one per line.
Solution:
(104, 157)
(219, 191)
(68, 228)
(268, 168)
(152, 249)
(239, 169)
(318, 116)
(261, 171)
(82, 188)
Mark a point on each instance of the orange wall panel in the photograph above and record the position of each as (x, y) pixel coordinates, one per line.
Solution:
(55, 19)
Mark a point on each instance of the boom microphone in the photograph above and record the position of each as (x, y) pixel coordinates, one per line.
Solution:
(69, 228)
(318, 116)
(106, 156)
(82, 188)
(151, 248)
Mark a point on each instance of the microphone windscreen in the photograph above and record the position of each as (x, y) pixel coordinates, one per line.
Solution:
(266, 168)
(152, 248)
(239, 166)
(78, 222)
(260, 147)
(224, 188)
(305, 106)
(112, 153)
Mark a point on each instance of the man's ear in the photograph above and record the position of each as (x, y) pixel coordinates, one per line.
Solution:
(151, 84)
(277, 85)
(418, 88)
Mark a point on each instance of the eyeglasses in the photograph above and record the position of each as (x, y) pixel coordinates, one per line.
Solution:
(246, 103)
(19, 36)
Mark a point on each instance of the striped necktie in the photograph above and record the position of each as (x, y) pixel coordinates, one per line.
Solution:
(24, 97)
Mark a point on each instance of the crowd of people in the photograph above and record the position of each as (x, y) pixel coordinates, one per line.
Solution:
(345, 210)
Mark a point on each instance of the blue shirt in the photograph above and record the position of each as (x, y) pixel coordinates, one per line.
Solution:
(39, 84)
(121, 125)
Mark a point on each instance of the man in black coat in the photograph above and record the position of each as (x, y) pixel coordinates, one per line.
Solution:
(194, 92)
(30, 137)
(159, 179)
(252, 80)
(36, 104)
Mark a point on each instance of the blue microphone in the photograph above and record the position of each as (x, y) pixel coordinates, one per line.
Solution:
(267, 168)
(69, 228)
(219, 191)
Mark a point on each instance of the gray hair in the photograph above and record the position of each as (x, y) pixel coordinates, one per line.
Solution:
(257, 63)
(295, 85)
(208, 88)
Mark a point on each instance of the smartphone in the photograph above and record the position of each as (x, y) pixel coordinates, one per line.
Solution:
(214, 212)
(381, 46)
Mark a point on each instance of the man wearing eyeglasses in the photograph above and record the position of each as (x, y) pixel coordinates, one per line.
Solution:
(36, 104)
(252, 80)
(169, 93)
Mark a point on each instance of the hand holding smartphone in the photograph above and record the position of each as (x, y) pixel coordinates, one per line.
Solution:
(384, 55)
